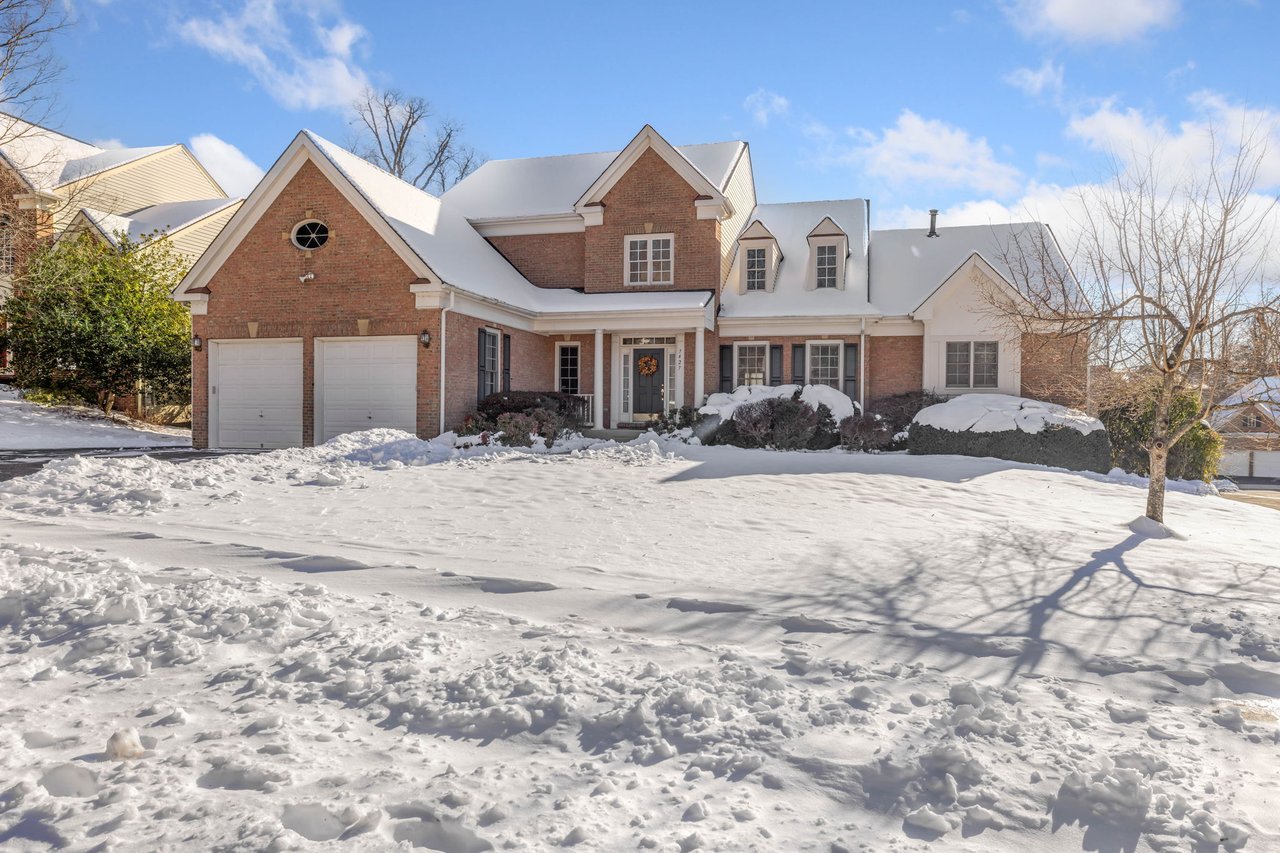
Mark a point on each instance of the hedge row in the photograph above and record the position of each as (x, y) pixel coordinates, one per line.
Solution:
(1056, 446)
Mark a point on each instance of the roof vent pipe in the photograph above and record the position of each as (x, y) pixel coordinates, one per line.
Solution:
(933, 222)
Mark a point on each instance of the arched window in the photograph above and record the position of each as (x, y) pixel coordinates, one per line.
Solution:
(6, 245)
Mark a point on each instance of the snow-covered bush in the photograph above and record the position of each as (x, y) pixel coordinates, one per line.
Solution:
(1013, 428)
(898, 410)
(784, 417)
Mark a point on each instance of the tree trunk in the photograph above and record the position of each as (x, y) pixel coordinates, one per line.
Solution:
(1158, 458)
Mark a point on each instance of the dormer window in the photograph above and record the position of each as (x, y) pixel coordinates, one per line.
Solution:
(826, 269)
(650, 259)
(1251, 421)
(757, 268)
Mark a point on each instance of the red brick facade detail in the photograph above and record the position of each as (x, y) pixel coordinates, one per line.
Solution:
(357, 277)
(895, 365)
(652, 198)
(547, 260)
(1055, 368)
(531, 364)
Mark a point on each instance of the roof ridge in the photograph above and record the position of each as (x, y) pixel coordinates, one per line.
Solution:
(613, 152)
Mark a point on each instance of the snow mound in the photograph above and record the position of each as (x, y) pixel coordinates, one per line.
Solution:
(1001, 413)
(725, 405)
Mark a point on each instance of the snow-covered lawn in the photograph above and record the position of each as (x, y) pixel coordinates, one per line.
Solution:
(645, 646)
(29, 426)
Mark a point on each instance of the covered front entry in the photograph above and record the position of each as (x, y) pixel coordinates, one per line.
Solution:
(651, 369)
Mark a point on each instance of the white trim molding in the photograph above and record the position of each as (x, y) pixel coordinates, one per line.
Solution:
(737, 345)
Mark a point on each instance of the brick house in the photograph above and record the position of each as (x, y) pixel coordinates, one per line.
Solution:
(1250, 429)
(341, 298)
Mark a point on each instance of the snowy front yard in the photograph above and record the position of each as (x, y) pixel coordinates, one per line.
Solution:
(646, 646)
(29, 426)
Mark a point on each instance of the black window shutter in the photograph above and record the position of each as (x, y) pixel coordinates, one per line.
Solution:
(797, 364)
(480, 367)
(775, 364)
(726, 368)
(851, 371)
(506, 363)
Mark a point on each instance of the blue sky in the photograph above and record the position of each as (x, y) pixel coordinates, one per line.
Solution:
(985, 110)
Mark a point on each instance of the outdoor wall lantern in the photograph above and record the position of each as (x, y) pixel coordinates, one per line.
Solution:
(425, 337)
(196, 342)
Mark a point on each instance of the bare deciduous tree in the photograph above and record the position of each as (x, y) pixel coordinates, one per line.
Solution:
(28, 67)
(394, 131)
(1168, 280)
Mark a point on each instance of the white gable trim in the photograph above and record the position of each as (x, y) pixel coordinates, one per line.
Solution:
(924, 311)
(299, 152)
(715, 206)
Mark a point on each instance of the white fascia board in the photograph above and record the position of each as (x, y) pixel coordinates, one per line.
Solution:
(764, 327)
(268, 189)
(433, 296)
(649, 138)
(711, 208)
(621, 321)
(924, 311)
(894, 326)
(555, 223)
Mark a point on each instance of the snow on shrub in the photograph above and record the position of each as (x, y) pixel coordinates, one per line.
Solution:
(725, 405)
(1014, 428)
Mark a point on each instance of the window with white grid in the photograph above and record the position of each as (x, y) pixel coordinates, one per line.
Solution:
(751, 364)
(650, 259)
(757, 271)
(973, 364)
(824, 364)
(826, 273)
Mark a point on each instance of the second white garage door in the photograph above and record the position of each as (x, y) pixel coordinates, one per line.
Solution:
(362, 383)
(1266, 463)
(255, 393)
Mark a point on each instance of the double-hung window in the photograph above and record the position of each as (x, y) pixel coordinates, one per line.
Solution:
(757, 269)
(6, 245)
(489, 367)
(567, 368)
(650, 259)
(1251, 421)
(825, 274)
(973, 364)
(751, 364)
(824, 363)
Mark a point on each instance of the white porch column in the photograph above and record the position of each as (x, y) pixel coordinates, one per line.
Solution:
(699, 364)
(597, 402)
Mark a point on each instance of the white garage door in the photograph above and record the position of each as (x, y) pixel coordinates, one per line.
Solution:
(255, 394)
(1266, 463)
(1235, 463)
(366, 383)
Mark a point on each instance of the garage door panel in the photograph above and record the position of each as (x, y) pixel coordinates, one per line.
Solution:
(367, 384)
(1266, 463)
(258, 394)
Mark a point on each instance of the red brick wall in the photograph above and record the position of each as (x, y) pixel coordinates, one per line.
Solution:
(1055, 368)
(547, 260)
(531, 364)
(357, 276)
(895, 365)
(652, 197)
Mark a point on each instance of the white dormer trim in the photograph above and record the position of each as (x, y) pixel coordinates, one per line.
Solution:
(827, 233)
(757, 236)
(712, 203)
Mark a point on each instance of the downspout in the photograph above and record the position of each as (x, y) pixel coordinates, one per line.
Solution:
(862, 367)
(444, 349)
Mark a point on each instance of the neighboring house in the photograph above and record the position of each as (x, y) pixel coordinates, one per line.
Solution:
(52, 185)
(339, 297)
(1250, 428)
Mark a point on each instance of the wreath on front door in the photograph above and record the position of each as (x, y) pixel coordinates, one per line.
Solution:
(647, 365)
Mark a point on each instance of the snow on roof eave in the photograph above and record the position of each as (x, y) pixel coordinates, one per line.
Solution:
(17, 171)
(1000, 277)
(145, 153)
(179, 226)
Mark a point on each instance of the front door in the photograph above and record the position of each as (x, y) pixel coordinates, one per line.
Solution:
(647, 378)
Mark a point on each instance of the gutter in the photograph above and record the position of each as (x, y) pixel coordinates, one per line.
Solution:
(444, 349)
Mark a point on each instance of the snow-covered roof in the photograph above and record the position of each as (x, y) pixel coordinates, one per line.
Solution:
(790, 225)
(544, 186)
(1263, 394)
(84, 167)
(38, 154)
(907, 265)
(446, 242)
(168, 217)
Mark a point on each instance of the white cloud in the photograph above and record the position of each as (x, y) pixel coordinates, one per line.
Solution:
(229, 166)
(1217, 125)
(764, 105)
(923, 151)
(303, 57)
(1109, 21)
(108, 144)
(1045, 80)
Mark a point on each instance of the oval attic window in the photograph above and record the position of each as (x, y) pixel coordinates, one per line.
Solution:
(310, 234)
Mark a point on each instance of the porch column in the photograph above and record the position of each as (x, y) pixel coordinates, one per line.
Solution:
(699, 364)
(597, 401)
